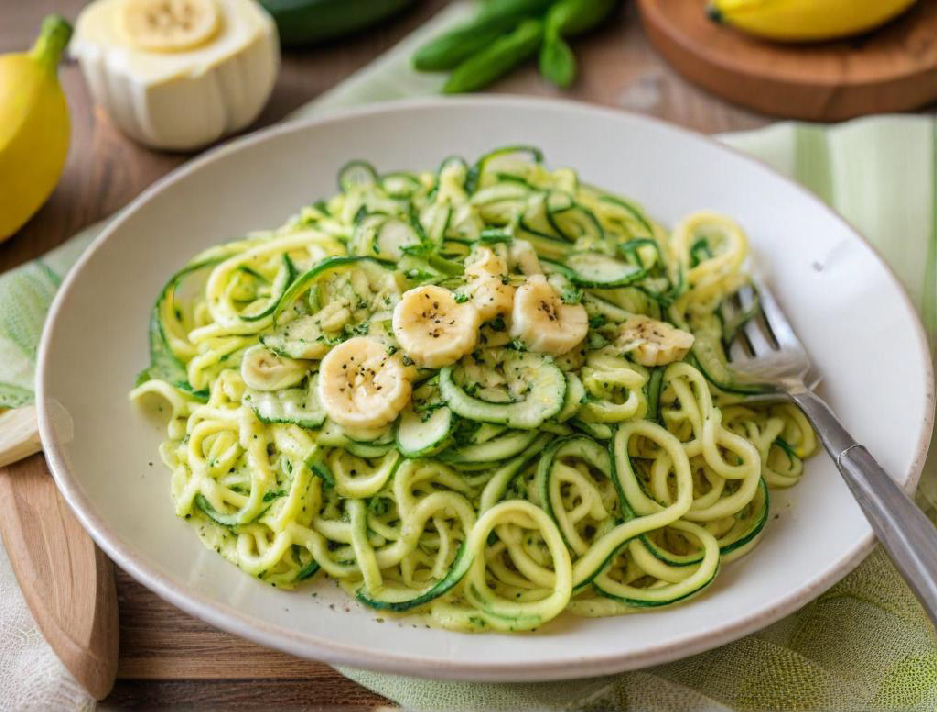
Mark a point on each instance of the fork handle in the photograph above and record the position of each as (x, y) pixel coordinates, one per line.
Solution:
(907, 534)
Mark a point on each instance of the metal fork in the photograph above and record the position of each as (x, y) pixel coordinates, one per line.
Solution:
(767, 350)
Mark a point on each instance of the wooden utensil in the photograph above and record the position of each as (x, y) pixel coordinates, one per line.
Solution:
(68, 583)
(891, 69)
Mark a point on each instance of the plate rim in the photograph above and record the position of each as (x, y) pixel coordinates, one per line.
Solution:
(233, 620)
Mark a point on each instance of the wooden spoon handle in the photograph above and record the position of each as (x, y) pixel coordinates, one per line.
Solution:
(19, 434)
(68, 583)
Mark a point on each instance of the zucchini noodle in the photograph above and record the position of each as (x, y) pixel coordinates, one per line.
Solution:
(608, 466)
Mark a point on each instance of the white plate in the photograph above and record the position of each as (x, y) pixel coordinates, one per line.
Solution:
(853, 316)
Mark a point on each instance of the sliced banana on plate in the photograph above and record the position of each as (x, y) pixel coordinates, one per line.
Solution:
(486, 282)
(653, 343)
(361, 385)
(523, 256)
(543, 322)
(433, 328)
(168, 25)
(263, 370)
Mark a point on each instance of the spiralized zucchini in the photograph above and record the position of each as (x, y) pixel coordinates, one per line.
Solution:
(531, 469)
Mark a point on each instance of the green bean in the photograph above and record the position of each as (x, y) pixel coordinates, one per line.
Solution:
(568, 17)
(557, 63)
(450, 49)
(496, 18)
(510, 8)
(500, 56)
(573, 17)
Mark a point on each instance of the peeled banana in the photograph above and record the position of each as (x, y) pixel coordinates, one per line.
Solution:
(178, 74)
(361, 385)
(433, 328)
(34, 126)
(806, 20)
(523, 256)
(263, 370)
(486, 276)
(168, 25)
(543, 321)
(653, 343)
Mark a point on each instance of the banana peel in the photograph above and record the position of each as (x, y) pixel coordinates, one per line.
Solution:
(805, 20)
(34, 126)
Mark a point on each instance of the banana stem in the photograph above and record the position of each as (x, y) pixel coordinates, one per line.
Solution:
(714, 13)
(52, 39)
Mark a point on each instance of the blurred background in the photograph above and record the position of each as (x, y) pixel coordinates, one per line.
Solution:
(105, 170)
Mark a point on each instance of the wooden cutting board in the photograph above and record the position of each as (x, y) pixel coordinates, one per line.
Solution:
(891, 69)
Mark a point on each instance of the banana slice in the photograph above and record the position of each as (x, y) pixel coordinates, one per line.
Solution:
(652, 342)
(168, 25)
(433, 328)
(361, 385)
(264, 370)
(543, 321)
(523, 257)
(486, 282)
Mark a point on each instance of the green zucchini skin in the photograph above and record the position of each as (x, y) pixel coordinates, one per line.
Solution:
(306, 22)
(164, 364)
(455, 574)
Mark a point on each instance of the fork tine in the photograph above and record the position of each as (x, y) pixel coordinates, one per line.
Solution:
(754, 330)
(738, 347)
(774, 318)
(778, 354)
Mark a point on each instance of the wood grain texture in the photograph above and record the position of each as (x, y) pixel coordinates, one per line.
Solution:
(257, 694)
(195, 654)
(167, 658)
(66, 580)
(891, 69)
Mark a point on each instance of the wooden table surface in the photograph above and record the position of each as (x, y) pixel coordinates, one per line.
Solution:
(168, 659)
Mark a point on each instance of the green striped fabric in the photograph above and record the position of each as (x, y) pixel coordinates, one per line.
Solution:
(25, 296)
(863, 645)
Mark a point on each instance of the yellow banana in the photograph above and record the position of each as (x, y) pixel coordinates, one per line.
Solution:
(34, 126)
(806, 20)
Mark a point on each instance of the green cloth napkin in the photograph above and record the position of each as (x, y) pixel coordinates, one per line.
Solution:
(863, 645)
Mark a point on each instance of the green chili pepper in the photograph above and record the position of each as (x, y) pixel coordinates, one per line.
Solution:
(573, 17)
(512, 8)
(499, 57)
(452, 48)
(557, 63)
(496, 18)
(568, 17)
